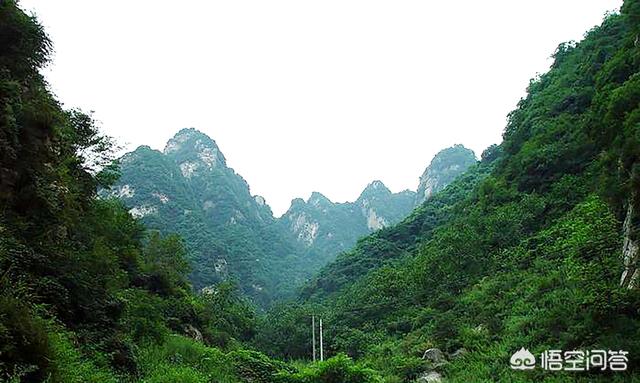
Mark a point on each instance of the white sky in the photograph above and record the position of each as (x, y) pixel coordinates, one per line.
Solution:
(306, 96)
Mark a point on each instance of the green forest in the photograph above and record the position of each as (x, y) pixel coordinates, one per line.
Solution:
(534, 246)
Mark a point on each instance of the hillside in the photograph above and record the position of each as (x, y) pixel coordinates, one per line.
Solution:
(535, 247)
(231, 234)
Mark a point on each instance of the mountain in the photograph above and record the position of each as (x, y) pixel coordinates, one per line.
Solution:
(536, 246)
(189, 189)
(326, 229)
(231, 234)
(443, 169)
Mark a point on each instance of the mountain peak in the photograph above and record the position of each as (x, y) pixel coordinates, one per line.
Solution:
(375, 188)
(318, 198)
(445, 166)
(190, 144)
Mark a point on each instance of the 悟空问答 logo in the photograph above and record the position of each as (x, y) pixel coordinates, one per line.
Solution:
(523, 360)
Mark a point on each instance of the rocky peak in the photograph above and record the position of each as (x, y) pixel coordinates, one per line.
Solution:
(443, 169)
(318, 200)
(260, 200)
(194, 150)
(374, 189)
(296, 203)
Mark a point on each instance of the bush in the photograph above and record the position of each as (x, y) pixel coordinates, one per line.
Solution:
(256, 367)
(24, 343)
(184, 360)
(339, 369)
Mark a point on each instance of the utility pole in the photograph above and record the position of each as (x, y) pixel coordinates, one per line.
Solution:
(321, 346)
(313, 335)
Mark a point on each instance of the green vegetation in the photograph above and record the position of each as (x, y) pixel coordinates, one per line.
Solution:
(229, 234)
(87, 294)
(523, 250)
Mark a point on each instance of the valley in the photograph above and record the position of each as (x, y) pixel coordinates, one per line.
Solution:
(162, 266)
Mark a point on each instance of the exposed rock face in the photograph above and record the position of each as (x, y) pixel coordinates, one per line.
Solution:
(382, 208)
(125, 191)
(142, 211)
(436, 359)
(630, 255)
(430, 377)
(326, 228)
(434, 355)
(193, 333)
(443, 169)
(305, 228)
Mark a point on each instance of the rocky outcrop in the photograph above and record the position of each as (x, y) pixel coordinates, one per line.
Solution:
(435, 359)
(630, 253)
(193, 333)
(430, 377)
(434, 355)
(443, 169)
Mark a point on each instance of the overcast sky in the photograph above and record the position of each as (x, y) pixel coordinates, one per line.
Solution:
(306, 96)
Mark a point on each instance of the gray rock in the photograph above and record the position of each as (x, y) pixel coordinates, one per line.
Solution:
(630, 253)
(430, 377)
(193, 333)
(435, 356)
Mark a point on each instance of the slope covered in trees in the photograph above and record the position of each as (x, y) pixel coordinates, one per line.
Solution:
(535, 247)
(231, 234)
(87, 294)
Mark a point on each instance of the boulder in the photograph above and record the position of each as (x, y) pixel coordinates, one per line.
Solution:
(193, 333)
(430, 377)
(435, 356)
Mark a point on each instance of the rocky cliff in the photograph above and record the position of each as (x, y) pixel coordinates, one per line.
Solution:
(443, 169)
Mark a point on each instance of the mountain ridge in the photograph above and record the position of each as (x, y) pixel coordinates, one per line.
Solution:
(188, 188)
